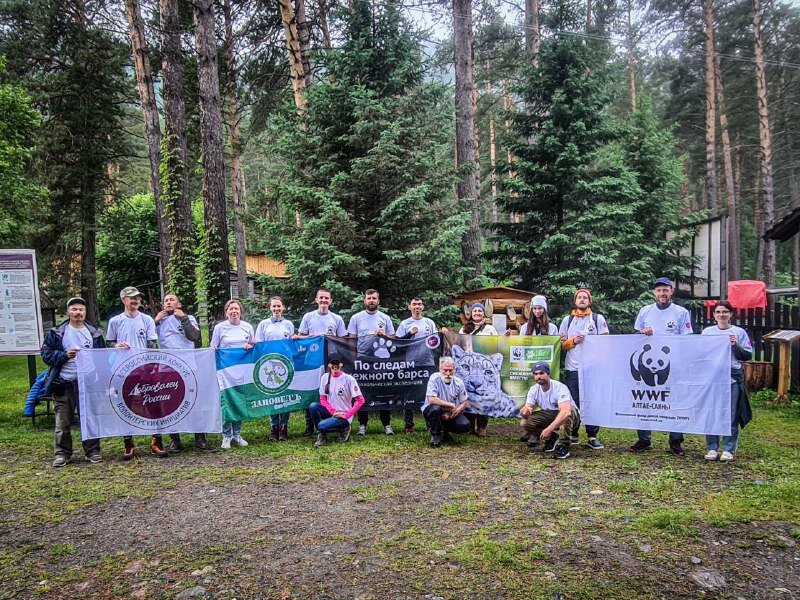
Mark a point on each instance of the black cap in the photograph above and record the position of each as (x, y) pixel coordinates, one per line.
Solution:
(335, 357)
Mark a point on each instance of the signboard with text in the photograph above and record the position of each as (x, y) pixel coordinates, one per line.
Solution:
(20, 312)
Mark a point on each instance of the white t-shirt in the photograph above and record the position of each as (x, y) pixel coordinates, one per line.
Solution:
(454, 392)
(741, 337)
(171, 334)
(673, 320)
(551, 329)
(487, 330)
(315, 323)
(342, 391)
(364, 323)
(270, 329)
(557, 393)
(226, 335)
(74, 338)
(586, 326)
(425, 327)
(137, 331)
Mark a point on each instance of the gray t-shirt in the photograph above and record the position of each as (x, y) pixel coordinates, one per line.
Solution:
(557, 393)
(137, 331)
(425, 327)
(270, 329)
(171, 334)
(454, 392)
(315, 323)
(74, 338)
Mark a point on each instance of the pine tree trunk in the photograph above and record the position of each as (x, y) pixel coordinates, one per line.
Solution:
(295, 55)
(88, 256)
(152, 126)
(492, 160)
(631, 47)
(731, 192)
(533, 38)
(468, 187)
(765, 144)
(322, 17)
(175, 158)
(304, 37)
(234, 141)
(758, 225)
(217, 263)
(711, 120)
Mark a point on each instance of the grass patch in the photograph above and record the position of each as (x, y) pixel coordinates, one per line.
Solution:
(464, 507)
(373, 493)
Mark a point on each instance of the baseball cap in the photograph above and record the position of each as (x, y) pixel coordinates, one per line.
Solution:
(75, 300)
(130, 292)
(335, 357)
(540, 366)
(663, 281)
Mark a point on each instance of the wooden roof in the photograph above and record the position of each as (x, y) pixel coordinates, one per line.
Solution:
(260, 264)
(786, 228)
(496, 293)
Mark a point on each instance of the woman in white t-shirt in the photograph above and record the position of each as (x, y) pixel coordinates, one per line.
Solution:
(339, 401)
(233, 333)
(477, 325)
(539, 323)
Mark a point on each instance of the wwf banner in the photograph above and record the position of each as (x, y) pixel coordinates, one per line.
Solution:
(678, 383)
(144, 392)
(272, 377)
(497, 369)
(392, 374)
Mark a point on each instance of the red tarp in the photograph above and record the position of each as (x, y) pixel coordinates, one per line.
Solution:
(747, 294)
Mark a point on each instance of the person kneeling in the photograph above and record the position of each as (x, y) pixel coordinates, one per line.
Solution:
(445, 400)
(557, 412)
(339, 400)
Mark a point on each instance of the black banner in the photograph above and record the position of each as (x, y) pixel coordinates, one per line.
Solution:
(393, 374)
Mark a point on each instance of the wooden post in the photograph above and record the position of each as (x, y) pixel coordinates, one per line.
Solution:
(784, 372)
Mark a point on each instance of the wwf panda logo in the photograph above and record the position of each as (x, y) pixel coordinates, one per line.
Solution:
(650, 365)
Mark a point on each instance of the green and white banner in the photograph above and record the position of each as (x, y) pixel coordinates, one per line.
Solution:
(497, 369)
(272, 377)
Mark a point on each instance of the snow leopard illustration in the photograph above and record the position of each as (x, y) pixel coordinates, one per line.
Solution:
(481, 376)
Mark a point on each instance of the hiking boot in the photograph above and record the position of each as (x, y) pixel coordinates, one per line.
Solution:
(711, 455)
(201, 443)
(321, 439)
(594, 444)
(61, 461)
(309, 431)
(436, 440)
(344, 434)
(239, 441)
(641, 446)
(226, 442)
(273, 434)
(550, 443)
(130, 450)
(94, 458)
(677, 450)
(362, 430)
(283, 433)
(409, 430)
(447, 438)
(574, 440)
(561, 451)
(726, 456)
(481, 432)
(532, 441)
(175, 444)
(387, 429)
(157, 448)
(525, 438)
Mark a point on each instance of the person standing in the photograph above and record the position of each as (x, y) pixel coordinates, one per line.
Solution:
(271, 329)
(368, 322)
(445, 401)
(582, 321)
(741, 413)
(134, 329)
(413, 328)
(339, 401)
(477, 325)
(233, 332)
(320, 322)
(62, 344)
(662, 318)
(178, 331)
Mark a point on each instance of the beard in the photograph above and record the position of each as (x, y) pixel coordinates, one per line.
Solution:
(447, 380)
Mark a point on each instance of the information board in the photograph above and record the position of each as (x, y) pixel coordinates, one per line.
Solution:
(20, 312)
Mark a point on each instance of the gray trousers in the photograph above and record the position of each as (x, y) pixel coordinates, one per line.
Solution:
(65, 401)
(541, 419)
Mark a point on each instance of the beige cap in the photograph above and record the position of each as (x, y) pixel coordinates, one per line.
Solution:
(130, 292)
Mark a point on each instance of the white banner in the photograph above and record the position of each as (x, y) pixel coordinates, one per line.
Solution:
(144, 392)
(679, 383)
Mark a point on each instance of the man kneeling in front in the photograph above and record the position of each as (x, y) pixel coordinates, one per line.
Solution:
(445, 401)
(557, 411)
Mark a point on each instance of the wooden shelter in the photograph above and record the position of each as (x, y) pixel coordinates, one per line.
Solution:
(514, 303)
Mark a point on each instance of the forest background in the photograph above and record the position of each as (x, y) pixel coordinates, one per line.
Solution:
(421, 148)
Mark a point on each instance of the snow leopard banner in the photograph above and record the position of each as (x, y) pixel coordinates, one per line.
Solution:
(497, 369)
(392, 374)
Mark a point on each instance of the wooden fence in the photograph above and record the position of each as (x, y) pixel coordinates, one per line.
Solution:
(758, 322)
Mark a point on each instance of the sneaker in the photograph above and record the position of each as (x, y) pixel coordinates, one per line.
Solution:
(677, 450)
(525, 438)
(344, 434)
(409, 430)
(94, 458)
(574, 440)
(175, 445)
(388, 430)
(60, 461)
(436, 440)
(239, 441)
(481, 432)
(712, 455)
(550, 443)
(130, 450)
(561, 451)
(532, 441)
(157, 448)
(362, 430)
(594, 444)
(641, 446)
(726, 456)
(320, 440)
(226, 443)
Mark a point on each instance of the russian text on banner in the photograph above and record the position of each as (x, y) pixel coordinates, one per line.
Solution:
(272, 377)
(664, 382)
(144, 392)
(392, 374)
(497, 369)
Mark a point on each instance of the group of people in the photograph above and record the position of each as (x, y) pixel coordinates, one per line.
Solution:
(550, 416)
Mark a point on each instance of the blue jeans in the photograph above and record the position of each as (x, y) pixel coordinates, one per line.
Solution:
(232, 429)
(729, 442)
(324, 421)
(279, 419)
(572, 383)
